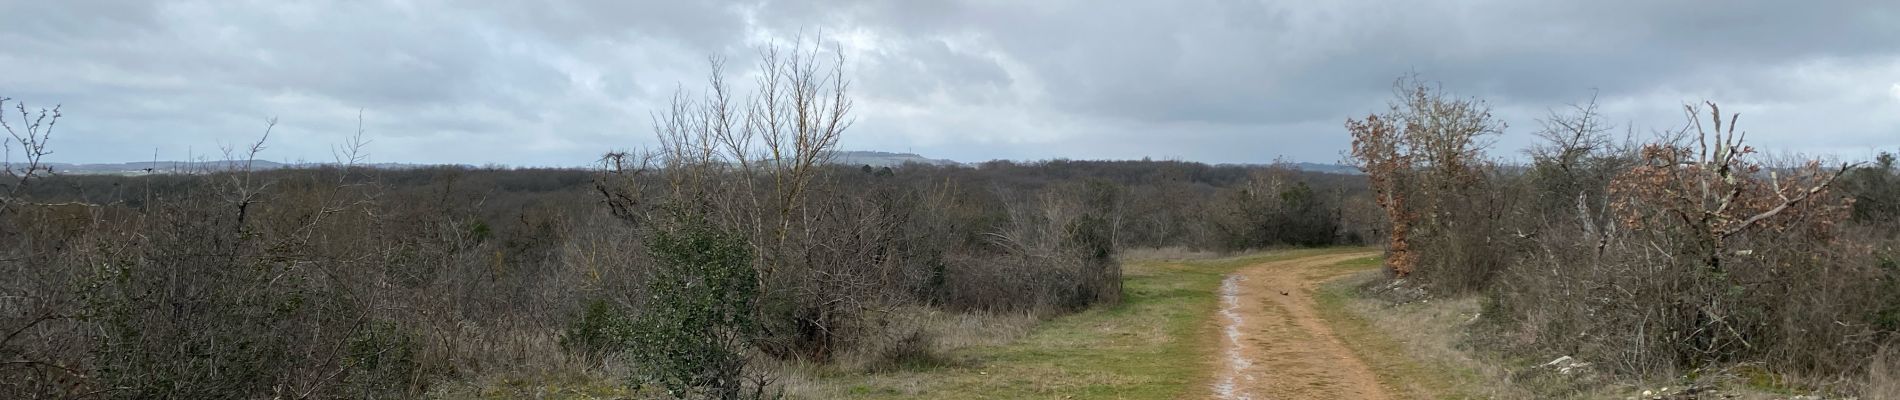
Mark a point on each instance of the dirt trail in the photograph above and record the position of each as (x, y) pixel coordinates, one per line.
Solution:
(1274, 344)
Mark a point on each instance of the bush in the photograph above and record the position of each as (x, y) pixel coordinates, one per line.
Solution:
(1423, 158)
(1687, 253)
(691, 338)
(599, 329)
(382, 359)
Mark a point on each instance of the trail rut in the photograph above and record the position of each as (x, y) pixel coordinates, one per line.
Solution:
(1274, 344)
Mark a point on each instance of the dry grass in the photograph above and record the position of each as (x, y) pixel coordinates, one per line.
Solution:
(575, 383)
(1883, 376)
(1414, 347)
(1153, 255)
(1425, 347)
(966, 330)
(918, 336)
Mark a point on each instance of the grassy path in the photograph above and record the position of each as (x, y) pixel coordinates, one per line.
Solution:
(1160, 343)
(1278, 346)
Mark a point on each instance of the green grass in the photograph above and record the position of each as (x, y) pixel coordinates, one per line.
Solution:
(1398, 367)
(1156, 344)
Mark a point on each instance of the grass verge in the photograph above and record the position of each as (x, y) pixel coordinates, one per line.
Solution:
(1410, 350)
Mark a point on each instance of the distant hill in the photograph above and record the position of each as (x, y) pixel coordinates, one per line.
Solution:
(883, 159)
(1328, 168)
(163, 167)
(889, 159)
(849, 158)
(853, 158)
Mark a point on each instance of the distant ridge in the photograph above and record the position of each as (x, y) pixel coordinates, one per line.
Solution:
(891, 159)
(166, 167)
(1328, 168)
(854, 158)
(847, 158)
(883, 159)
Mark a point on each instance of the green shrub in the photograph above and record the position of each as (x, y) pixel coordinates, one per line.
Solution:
(599, 329)
(690, 339)
(381, 359)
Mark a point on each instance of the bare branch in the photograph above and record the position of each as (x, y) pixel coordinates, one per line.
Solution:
(1788, 202)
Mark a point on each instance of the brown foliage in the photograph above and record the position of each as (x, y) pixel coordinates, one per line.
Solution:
(1376, 146)
(1713, 188)
(1423, 159)
(1691, 253)
(1687, 252)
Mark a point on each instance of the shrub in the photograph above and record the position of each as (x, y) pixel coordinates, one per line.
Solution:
(1696, 256)
(691, 337)
(381, 360)
(1423, 159)
(600, 328)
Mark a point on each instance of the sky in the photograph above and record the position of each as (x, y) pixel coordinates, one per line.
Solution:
(557, 83)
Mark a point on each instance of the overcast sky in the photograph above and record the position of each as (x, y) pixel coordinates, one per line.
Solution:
(1208, 80)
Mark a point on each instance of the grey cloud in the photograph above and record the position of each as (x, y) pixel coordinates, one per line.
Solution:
(554, 83)
(929, 67)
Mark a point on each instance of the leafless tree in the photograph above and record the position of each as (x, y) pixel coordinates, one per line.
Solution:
(31, 136)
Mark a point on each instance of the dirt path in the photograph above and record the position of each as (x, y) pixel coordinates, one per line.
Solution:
(1274, 344)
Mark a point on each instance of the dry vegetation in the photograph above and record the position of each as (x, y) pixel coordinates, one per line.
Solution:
(704, 268)
(1686, 255)
(734, 261)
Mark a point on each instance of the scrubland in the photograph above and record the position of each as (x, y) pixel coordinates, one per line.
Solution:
(734, 261)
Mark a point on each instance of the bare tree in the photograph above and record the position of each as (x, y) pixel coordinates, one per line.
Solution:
(1572, 136)
(35, 130)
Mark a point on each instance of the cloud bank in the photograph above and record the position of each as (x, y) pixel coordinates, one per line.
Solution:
(557, 83)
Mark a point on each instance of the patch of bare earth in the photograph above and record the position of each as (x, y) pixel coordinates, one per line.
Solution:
(1274, 343)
